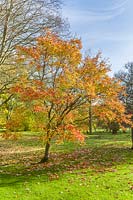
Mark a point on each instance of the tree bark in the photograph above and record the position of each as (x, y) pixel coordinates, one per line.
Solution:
(132, 137)
(90, 118)
(46, 153)
(114, 131)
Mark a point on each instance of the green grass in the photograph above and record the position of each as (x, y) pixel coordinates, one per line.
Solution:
(102, 169)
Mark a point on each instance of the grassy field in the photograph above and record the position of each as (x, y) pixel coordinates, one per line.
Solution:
(100, 170)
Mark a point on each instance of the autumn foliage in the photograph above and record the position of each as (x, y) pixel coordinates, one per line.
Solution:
(60, 86)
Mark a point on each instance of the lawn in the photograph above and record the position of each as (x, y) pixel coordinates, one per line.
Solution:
(102, 169)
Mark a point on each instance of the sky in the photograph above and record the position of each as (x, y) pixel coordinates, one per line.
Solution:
(103, 25)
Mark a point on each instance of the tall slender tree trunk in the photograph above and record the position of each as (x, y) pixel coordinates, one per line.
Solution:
(90, 118)
(46, 153)
(132, 137)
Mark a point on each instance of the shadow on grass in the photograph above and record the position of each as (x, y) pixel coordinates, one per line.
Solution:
(98, 159)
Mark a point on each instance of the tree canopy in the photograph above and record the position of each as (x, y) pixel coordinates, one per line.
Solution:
(58, 85)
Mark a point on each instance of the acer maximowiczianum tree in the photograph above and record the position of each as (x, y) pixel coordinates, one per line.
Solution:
(21, 21)
(58, 86)
(126, 78)
(53, 86)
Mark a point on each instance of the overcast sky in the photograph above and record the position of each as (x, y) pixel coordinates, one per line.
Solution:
(105, 25)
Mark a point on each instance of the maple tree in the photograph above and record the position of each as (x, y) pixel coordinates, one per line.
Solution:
(53, 86)
(59, 86)
(110, 108)
(102, 92)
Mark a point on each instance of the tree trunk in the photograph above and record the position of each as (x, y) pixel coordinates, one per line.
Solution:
(114, 131)
(132, 137)
(90, 118)
(46, 153)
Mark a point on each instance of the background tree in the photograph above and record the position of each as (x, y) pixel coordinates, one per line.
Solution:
(103, 101)
(21, 21)
(126, 78)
